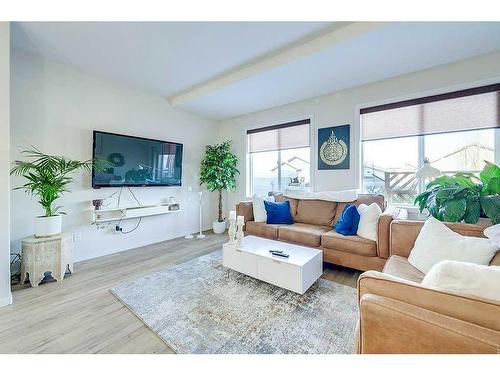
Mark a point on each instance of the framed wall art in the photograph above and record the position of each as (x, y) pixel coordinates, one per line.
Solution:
(334, 147)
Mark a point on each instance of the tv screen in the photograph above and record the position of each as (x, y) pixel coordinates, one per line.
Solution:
(135, 161)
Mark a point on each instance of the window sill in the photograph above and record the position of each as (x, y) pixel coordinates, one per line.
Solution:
(413, 211)
(408, 207)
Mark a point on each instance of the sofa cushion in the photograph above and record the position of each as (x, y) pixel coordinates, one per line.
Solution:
(400, 267)
(437, 242)
(368, 221)
(316, 212)
(362, 198)
(405, 232)
(259, 210)
(293, 203)
(349, 244)
(304, 234)
(262, 229)
(278, 212)
(348, 223)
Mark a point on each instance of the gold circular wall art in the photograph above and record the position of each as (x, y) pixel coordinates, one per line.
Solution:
(333, 151)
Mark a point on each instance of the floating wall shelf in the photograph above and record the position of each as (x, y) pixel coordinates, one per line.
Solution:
(124, 213)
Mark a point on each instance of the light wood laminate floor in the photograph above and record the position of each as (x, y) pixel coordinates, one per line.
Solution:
(80, 315)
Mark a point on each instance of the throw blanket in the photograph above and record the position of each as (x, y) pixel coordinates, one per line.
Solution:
(332, 196)
(465, 278)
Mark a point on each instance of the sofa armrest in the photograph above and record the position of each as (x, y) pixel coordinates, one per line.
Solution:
(390, 326)
(245, 209)
(384, 230)
(475, 310)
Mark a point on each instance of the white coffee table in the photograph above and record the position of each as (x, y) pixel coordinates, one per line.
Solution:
(296, 273)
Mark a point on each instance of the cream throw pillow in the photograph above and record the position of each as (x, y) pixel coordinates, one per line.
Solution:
(259, 211)
(368, 221)
(465, 278)
(436, 242)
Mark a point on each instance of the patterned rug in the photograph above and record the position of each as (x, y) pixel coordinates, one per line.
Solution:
(200, 307)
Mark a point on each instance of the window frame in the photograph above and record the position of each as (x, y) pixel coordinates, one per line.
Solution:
(248, 156)
(421, 98)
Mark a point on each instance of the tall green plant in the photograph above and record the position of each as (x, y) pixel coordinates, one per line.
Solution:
(464, 196)
(48, 176)
(218, 170)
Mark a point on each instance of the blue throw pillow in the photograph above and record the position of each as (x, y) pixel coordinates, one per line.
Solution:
(278, 212)
(348, 221)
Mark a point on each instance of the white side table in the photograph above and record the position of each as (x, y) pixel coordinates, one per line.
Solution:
(46, 254)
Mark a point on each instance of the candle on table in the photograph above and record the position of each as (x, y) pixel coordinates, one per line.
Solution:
(232, 215)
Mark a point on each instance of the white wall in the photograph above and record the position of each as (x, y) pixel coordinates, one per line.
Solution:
(55, 108)
(343, 108)
(5, 295)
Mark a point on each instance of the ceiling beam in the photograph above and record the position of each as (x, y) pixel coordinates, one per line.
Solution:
(336, 34)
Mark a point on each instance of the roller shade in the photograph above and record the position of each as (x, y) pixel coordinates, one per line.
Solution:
(279, 137)
(473, 109)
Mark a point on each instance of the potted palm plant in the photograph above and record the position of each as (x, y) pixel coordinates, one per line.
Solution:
(218, 172)
(48, 178)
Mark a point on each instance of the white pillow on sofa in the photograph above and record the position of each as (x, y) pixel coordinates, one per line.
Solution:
(436, 242)
(368, 220)
(259, 211)
(465, 278)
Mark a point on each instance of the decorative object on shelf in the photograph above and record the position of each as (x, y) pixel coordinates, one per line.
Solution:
(48, 178)
(173, 206)
(333, 147)
(426, 171)
(201, 235)
(97, 203)
(464, 196)
(41, 255)
(232, 227)
(239, 233)
(218, 172)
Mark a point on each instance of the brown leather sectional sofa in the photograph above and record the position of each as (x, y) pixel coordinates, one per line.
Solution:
(396, 313)
(399, 315)
(313, 221)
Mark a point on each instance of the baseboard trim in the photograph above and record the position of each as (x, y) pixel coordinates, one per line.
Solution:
(6, 300)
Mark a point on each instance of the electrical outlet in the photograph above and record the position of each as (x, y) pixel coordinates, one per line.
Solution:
(77, 236)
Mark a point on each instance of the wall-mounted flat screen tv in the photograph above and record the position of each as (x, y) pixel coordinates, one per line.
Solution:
(134, 161)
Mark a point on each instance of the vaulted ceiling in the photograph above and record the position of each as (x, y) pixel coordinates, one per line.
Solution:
(226, 69)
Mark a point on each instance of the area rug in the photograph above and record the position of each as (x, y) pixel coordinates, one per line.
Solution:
(201, 307)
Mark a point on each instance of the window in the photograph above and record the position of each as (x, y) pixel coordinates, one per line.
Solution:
(279, 158)
(455, 131)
